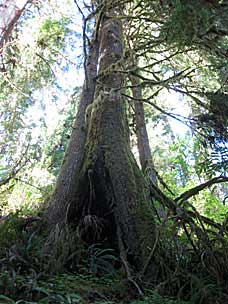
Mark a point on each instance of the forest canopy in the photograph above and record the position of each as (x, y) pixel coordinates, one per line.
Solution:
(113, 151)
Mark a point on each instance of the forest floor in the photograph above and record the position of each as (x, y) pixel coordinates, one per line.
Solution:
(31, 275)
(26, 275)
(74, 288)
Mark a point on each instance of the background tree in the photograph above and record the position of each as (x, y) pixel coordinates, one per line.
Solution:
(65, 190)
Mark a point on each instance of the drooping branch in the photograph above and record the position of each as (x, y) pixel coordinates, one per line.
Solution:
(178, 117)
(181, 212)
(194, 191)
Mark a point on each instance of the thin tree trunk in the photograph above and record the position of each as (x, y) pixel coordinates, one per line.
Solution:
(143, 144)
(65, 187)
(9, 16)
(111, 201)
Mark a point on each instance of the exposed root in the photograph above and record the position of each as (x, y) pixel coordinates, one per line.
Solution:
(123, 257)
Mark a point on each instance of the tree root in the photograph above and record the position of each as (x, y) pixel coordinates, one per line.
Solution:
(123, 257)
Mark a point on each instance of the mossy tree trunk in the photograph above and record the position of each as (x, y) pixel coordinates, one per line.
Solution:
(109, 200)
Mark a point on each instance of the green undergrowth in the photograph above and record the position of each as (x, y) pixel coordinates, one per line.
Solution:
(75, 288)
(26, 277)
(37, 266)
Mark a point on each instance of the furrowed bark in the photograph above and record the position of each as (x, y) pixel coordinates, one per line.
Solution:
(65, 187)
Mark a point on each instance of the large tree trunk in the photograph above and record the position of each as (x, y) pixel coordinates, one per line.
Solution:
(111, 201)
(65, 189)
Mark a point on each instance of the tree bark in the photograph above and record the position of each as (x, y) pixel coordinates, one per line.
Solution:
(10, 15)
(110, 203)
(65, 189)
(143, 144)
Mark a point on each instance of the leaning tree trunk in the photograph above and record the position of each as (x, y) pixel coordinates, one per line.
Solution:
(111, 200)
(65, 190)
(143, 144)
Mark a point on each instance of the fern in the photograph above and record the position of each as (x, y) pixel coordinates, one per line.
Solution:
(101, 261)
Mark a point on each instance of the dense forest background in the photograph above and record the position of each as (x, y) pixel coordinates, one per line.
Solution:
(113, 151)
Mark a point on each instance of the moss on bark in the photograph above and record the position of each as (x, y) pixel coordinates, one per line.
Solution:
(109, 201)
(111, 188)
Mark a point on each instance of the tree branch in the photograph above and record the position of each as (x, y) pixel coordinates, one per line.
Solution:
(171, 204)
(194, 191)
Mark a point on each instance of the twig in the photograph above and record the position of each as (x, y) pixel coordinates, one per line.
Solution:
(172, 115)
(48, 64)
(162, 182)
(224, 200)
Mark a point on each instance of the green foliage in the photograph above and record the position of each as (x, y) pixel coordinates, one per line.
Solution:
(21, 255)
(71, 289)
(178, 162)
(52, 33)
(189, 20)
(28, 66)
(64, 250)
(190, 256)
(213, 208)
